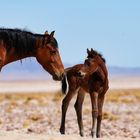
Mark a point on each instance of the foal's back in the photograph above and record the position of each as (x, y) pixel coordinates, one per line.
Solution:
(75, 81)
(71, 78)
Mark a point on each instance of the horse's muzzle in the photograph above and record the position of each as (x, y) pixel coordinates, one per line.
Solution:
(58, 77)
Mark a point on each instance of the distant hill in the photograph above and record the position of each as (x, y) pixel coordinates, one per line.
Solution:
(27, 69)
(124, 71)
(30, 69)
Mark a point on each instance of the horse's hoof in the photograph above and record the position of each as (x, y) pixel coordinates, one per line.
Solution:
(62, 131)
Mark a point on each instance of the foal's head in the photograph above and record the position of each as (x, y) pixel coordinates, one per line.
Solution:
(48, 55)
(91, 64)
(95, 55)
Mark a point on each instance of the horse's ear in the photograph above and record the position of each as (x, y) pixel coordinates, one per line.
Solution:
(52, 34)
(46, 33)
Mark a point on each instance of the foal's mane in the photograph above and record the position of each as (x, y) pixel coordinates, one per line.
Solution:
(94, 53)
(22, 40)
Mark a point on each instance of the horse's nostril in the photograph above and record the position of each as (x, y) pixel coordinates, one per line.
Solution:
(62, 75)
(58, 76)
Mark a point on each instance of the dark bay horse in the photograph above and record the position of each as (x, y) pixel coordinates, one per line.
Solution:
(91, 77)
(17, 44)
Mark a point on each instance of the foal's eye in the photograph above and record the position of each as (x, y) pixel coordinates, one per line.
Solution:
(87, 62)
(52, 52)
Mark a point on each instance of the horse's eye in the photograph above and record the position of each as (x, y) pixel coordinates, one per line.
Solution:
(52, 52)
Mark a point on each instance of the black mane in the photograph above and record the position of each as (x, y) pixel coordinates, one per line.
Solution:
(23, 41)
(94, 53)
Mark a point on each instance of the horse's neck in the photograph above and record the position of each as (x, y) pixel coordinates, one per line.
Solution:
(12, 56)
(8, 56)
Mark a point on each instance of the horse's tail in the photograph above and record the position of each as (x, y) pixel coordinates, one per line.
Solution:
(64, 84)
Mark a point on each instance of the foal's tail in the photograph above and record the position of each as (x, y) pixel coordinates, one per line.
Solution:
(64, 84)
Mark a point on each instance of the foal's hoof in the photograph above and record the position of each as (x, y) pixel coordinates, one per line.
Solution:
(81, 134)
(93, 134)
(62, 131)
(98, 135)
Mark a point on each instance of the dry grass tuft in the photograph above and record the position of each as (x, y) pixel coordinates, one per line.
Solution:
(35, 117)
(26, 123)
(109, 116)
(58, 96)
(123, 95)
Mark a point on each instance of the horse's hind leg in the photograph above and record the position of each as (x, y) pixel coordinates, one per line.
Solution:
(78, 108)
(65, 104)
(99, 118)
(94, 100)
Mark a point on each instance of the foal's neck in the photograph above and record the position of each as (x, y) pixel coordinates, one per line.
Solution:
(102, 65)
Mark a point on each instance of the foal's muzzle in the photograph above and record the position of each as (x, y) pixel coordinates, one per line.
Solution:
(81, 74)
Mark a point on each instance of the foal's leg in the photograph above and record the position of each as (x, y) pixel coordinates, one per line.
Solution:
(78, 108)
(94, 101)
(99, 118)
(65, 104)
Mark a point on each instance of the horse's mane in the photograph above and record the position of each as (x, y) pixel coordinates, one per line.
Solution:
(94, 53)
(22, 40)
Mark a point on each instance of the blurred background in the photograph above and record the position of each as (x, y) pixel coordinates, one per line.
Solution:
(110, 27)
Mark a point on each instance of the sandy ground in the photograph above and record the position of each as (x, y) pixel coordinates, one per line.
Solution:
(21, 136)
(52, 86)
(29, 86)
(38, 115)
(124, 82)
(17, 122)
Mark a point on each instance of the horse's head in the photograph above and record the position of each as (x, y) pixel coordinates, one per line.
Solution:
(48, 56)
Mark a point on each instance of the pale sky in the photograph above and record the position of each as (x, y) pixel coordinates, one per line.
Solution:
(112, 27)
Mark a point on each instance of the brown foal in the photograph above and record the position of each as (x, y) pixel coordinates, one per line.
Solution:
(91, 77)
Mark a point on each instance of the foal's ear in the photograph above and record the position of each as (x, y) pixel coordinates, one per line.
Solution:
(88, 51)
(92, 50)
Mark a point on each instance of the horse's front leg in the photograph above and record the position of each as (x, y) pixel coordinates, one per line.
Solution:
(94, 102)
(65, 104)
(78, 108)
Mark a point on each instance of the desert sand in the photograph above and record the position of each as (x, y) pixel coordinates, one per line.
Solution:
(20, 136)
(32, 110)
(116, 82)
